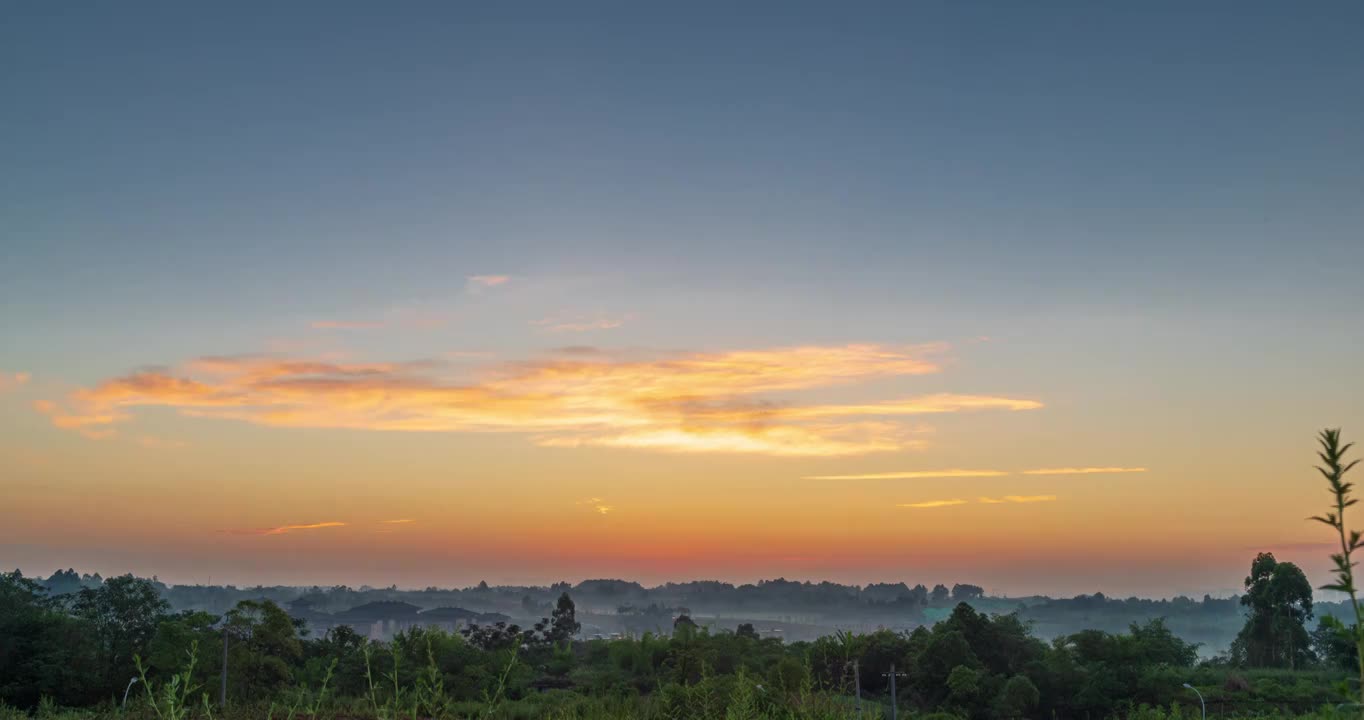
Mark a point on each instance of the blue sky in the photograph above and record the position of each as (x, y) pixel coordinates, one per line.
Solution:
(1146, 208)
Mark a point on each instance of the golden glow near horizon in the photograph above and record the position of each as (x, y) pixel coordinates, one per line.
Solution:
(582, 462)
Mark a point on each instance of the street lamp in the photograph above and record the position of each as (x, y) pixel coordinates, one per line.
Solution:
(1200, 699)
(125, 691)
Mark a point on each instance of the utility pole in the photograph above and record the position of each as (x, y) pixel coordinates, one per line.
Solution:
(857, 683)
(894, 702)
(222, 691)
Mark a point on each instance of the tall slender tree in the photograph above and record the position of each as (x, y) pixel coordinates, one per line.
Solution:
(565, 620)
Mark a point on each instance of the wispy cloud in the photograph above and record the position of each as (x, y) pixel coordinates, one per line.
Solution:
(403, 521)
(983, 501)
(13, 380)
(913, 475)
(1083, 470)
(345, 325)
(286, 529)
(478, 283)
(933, 503)
(682, 402)
(598, 505)
(92, 423)
(1018, 499)
(581, 324)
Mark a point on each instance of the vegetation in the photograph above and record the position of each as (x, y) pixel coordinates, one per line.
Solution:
(1333, 468)
(89, 646)
(970, 665)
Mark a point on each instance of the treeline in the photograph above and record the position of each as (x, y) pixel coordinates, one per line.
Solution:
(598, 595)
(81, 650)
(1212, 622)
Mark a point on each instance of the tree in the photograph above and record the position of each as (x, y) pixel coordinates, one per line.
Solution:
(963, 690)
(263, 648)
(966, 592)
(564, 623)
(1334, 649)
(684, 628)
(1018, 697)
(124, 613)
(43, 651)
(63, 582)
(918, 595)
(939, 595)
(746, 630)
(1280, 601)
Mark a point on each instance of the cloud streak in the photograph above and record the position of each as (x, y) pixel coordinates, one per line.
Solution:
(478, 283)
(1023, 499)
(1084, 470)
(913, 475)
(730, 402)
(598, 505)
(933, 503)
(286, 529)
(1018, 499)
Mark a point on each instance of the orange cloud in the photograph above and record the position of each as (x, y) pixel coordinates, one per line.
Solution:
(913, 475)
(691, 402)
(10, 381)
(1083, 470)
(1018, 499)
(87, 424)
(478, 283)
(283, 529)
(933, 503)
(598, 505)
(403, 521)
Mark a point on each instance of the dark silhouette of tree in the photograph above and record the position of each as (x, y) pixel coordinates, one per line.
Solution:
(1280, 602)
(939, 595)
(966, 592)
(265, 643)
(498, 636)
(918, 595)
(684, 628)
(123, 613)
(1334, 648)
(564, 622)
(746, 630)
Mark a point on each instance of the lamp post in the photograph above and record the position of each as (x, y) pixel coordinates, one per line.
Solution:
(1200, 699)
(125, 691)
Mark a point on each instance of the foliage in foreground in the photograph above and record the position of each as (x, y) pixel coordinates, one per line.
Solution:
(970, 666)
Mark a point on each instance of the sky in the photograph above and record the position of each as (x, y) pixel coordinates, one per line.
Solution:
(1048, 297)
